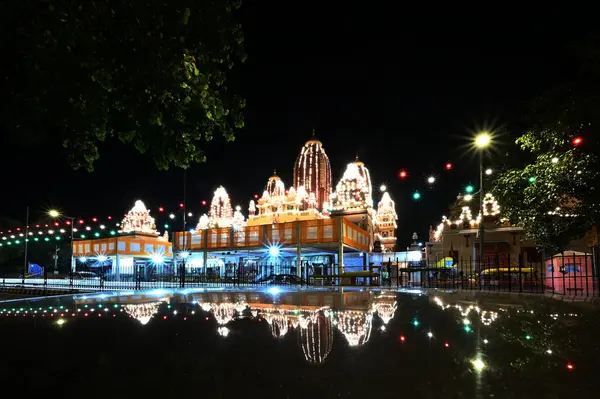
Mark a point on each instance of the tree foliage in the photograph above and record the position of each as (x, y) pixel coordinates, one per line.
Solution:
(150, 73)
(554, 194)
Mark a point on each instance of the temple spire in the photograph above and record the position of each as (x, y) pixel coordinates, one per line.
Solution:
(313, 132)
(274, 172)
(357, 156)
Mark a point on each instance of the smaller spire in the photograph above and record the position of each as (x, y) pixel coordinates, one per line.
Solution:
(357, 156)
(274, 172)
(313, 132)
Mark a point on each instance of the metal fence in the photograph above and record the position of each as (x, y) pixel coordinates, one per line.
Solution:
(571, 275)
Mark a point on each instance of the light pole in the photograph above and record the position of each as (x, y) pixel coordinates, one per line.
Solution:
(482, 140)
(56, 215)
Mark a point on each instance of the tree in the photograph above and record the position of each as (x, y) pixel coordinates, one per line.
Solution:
(553, 195)
(151, 74)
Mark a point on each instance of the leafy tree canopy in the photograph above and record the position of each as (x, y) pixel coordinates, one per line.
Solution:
(150, 73)
(554, 194)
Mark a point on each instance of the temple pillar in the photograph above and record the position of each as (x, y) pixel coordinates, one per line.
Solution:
(299, 252)
(341, 245)
(117, 267)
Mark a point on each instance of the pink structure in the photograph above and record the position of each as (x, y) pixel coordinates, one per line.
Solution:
(570, 273)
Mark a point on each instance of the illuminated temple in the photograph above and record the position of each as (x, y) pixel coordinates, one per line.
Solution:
(309, 228)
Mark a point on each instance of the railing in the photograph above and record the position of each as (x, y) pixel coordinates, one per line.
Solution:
(573, 275)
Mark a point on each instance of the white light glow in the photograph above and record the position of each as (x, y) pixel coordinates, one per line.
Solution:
(172, 216)
(83, 259)
(157, 259)
(431, 180)
(383, 187)
(468, 197)
(274, 291)
(274, 251)
(478, 364)
(185, 254)
(555, 160)
(102, 258)
(488, 172)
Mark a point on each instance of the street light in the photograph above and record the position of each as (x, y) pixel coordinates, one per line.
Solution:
(482, 141)
(56, 215)
(382, 188)
(488, 172)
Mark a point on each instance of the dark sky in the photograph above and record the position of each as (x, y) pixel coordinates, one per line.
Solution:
(402, 89)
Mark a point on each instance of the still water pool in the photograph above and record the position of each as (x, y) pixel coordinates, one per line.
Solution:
(297, 344)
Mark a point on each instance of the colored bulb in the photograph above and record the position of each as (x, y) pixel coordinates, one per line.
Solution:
(416, 195)
(448, 166)
(469, 189)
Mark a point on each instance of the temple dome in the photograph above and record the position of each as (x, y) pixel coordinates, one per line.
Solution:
(312, 171)
(354, 190)
(275, 186)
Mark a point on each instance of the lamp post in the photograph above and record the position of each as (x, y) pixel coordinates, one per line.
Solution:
(482, 140)
(56, 214)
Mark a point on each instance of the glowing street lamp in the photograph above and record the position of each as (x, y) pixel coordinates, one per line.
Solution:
(53, 213)
(482, 141)
(488, 171)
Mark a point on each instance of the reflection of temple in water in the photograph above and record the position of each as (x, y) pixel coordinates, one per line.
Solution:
(315, 336)
(142, 312)
(355, 325)
(312, 314)
(385, 306)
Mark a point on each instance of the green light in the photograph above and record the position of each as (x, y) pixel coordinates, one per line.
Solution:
(468, 328)
(82, 236)
(166, 226)
(416, 195)
(17, 242)
(528, 337)
(1, 244)
(35, 239)
(415, 323)
(57, 238)
(532, 179)
(96, 234)
(469, 189)
(46, 239)
(9, 243)
(27, 240)
(112, 233)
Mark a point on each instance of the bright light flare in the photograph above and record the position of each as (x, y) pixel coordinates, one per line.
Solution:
(102, 258)
(488, 171)
(478, 365)
(468, 197)
(157, 259)
(53, 213)
(482, 140)
(431, 180)
(274, 251)
(382, 188)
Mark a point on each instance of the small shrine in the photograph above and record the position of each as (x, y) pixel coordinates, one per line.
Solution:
(385, 223)
(353, 191)
(139, 221)
(278, 205)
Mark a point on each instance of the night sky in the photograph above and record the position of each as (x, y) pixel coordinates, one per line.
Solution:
(404, 90)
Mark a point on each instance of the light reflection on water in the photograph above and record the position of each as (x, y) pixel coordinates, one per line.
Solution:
(437, 346)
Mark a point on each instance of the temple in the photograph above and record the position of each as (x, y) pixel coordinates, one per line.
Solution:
(307, 229)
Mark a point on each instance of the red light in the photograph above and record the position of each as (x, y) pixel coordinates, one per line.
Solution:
(577, 140)
(68, 222)
(10, 231)
(37, 225)
(185, 318)
(402, 174)
(448, 166)
(570, 366)
(446, 345)
(81, 221)
(161, 209)
(18, 228)
(402, 338)
(255, 196)
(85, 314)
(110, 218)
(94, 219)
(164, 317)
(56, 224)
(204, 203)
(206, 318)
(181, 204)
(46, 225)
